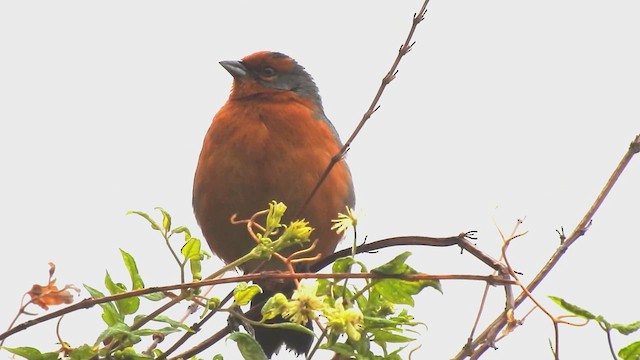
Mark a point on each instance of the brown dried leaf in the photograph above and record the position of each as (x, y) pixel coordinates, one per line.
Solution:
(45, 296)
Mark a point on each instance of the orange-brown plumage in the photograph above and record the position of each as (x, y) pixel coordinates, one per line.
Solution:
(270, 141)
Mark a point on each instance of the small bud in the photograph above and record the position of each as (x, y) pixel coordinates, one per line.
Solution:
(276, 211)
(274, 306)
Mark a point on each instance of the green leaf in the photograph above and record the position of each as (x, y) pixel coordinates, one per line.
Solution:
(156, 296)
(217, 357)
(630, 352)
(154, 224)
(32, 353)
(114, 288)
(372, 322)
(342, 349)
(574, 309)
(363, 346)
(166, 220)
(182, 229)
(195, 266)
(119, 331)
(361, 301)
(377, 305)
(95, 293)
(51, 356)
(132, 268)
(343, 265)
(191, 249)
(131, 354)
(28, 353)
(324, 287)
(125, 306)
(151, 332)
(157, 353)
(167, 320)
(82, 353)
(396, 266)
(341, 291)
(393, 356)
(383, 336)
(628, 328)
(248, 346)
(243, 293)
(110, 314)
(402, 291)
(292, 326)
(405, 318)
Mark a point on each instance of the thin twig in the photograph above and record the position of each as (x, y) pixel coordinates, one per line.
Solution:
(460, 240)
(486, 338)
(613, 352)
(508, 294)
(391, 74)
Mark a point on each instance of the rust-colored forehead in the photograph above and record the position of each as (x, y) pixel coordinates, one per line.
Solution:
(279, 61)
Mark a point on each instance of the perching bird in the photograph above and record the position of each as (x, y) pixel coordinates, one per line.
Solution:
(270, 141)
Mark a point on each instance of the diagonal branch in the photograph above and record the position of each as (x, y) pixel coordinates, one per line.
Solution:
(391, 74)
(486, 339)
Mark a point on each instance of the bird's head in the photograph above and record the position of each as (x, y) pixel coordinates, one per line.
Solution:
(267, 74)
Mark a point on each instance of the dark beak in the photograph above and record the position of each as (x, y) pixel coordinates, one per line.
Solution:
(235, 68)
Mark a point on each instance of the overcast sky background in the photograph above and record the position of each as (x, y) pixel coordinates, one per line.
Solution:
(503, 110)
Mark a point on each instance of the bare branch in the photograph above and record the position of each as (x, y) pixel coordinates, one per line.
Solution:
(404, 49)
(487, 337)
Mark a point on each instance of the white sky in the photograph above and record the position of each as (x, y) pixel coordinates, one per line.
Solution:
(504, 109)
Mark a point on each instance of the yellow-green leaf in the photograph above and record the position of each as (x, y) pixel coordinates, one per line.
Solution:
(110, 314)
(626, 329)
(166, 220)
(153, 223)
(125, 306)
(82, 353)
(132, 268)
(191, 249)
(243, 293)
(574, 309)
(396, 266)
(382, 336)
(630, 352)
(31, 353)
(182, 229)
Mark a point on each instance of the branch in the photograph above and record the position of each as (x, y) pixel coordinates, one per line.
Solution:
(408, 240)
(485, 340)
(391, 74)
(460, 240)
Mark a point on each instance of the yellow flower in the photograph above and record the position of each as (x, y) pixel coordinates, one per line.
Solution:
(297, 232)
(341, 320)
(345, 221)
(304, 303)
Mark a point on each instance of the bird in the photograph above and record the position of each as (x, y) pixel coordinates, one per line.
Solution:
(271, 140)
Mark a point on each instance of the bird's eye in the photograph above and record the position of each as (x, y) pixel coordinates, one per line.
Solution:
(268, 71)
